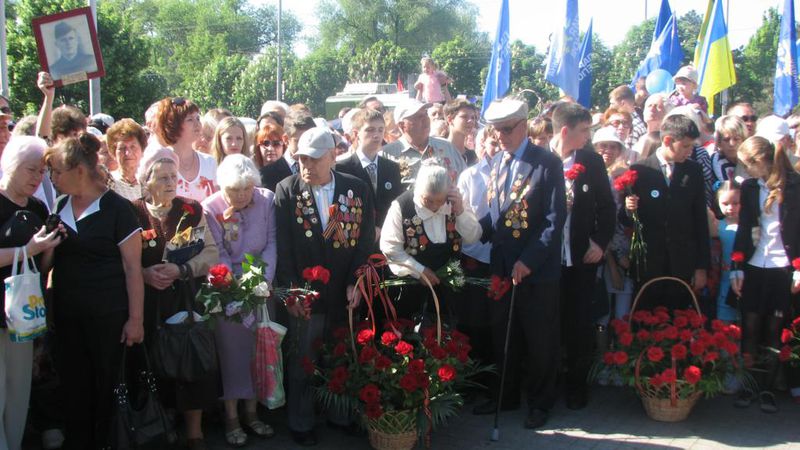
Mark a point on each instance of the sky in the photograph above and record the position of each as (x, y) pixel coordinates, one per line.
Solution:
(532, 21)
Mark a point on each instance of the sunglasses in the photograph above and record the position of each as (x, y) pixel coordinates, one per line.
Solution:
(749, 118)
(617, 123)
(510, 128)
(271, 143)
(178, 101)
(5, 110)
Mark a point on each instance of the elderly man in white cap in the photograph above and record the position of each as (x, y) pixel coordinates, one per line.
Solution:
(685, 89)
(324, 218)
(527, 210)
(416, 145)
(776, 130)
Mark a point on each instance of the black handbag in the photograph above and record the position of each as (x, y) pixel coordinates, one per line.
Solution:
(138, 419)
(185, 351)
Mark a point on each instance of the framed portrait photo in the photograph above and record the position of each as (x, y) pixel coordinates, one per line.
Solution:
(68, 47)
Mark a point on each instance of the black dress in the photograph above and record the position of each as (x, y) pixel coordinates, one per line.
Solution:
(201, 394)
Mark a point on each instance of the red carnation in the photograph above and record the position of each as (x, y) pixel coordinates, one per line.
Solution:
(642, 335)
(737, 257)
(446, 373)
(388, 338)
(620, 326)
(365, 336)
(786, 336)
(416, 366)
(382, 362)
(408, 382)
(796, 263)
(697, 348)
(692, 374)
(669, 375)
(625, 181)
(369, 394)
(710, 357)
(608, 358)
(576, 170)
(187, 209)
(658, 335)
(685, 335)
(220, 276)
(679, 351)
(656, 381)
(785, 354)
(373, 410)
(655, 354)
(671, 333)
(620, 358)
(625, 339)
(403, 348)
(316, 273)
(681, 322)
(498, 287)
(734, 332)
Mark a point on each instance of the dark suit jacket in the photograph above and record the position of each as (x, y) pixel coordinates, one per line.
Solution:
(389, 185)
(274, 173)
(674, 219)
(593, 210)
(789, 213)
(296, 251)
(539, 245)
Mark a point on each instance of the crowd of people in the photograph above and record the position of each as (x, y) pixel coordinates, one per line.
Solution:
(521, 196)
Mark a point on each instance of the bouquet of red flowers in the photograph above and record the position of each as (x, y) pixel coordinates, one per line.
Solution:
(234, 298)
(790, 350)
(638, 253)
(657, 350)
(571, 175)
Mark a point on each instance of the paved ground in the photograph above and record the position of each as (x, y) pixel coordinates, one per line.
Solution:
(614, 419)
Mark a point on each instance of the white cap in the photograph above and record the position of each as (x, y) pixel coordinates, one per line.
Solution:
(272, 105)
(347, 120)
(772, 128)
(607, 134)
(506, 109)
(688, 72)
(321, 122)
(105, 118)
(94, 131)
(315, 143)
(408, 108)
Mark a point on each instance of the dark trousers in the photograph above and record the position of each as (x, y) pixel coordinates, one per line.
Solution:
(472, 309)
(577, 322)
(535, 336)
(88, 354)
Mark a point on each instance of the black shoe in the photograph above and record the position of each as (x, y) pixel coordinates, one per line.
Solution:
(490, 406)
(352, 429)
(304, 438)
(536, 418)
(577, 399)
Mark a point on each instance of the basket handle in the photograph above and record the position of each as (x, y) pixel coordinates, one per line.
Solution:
(673, 388)
(655, 280)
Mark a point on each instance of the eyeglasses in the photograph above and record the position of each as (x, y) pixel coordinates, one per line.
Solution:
(618, 123)
(271, 143)
(510, 128)
(178, 101)
(5, 110)
(749, 118)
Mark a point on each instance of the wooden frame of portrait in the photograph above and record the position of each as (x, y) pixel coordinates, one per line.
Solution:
(81, 22)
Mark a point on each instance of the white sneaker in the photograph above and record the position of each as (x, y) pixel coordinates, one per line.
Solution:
(52, 439)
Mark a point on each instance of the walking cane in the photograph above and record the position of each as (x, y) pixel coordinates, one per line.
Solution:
(496, 430)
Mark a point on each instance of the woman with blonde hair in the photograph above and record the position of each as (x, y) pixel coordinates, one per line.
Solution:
(230, 137)
(729, 133)
(768, 240)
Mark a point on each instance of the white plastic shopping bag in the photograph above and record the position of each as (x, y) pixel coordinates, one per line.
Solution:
(26, 316)
(268, 362)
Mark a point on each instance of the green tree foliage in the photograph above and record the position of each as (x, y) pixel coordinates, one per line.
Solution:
(462, 58)
(755, 65)
(417, 26)
(601, 73)
(256, 83)
(316, 77)
(527, 72)
(213, 87)
(381, 63)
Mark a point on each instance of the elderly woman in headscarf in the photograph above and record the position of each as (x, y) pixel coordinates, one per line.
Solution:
(425, 229)
(162, 214)
(22, 218)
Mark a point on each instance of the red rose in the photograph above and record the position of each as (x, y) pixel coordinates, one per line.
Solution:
(734, 332)
(446, 373)
(786, 336)
(679, 351)
(403, 348)
(692, 374)
(608, 358)
(369, 394)
(737, 257)
(382, 362)
(408, 382)
(438, 352)
(187, 209)
(785, 354)
(422, 380)
(642, 335)
(463, 356)
(416, 366)
(669, 376)
(365, 336)
(388, 338)
(308, 365)
(367, 354)
(620, 358)
(796, 263)
(626, 339)
(710, 357)
(451, 347)
(373, 410)
(655, 354)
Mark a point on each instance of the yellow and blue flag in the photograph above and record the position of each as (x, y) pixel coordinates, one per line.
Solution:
(715, 68)
(785, 89)
(498, 78)
(701, 36)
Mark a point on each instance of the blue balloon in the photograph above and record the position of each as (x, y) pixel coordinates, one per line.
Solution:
(659, 81)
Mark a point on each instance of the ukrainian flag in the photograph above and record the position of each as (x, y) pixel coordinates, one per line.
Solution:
(715, 66)
(698, 48)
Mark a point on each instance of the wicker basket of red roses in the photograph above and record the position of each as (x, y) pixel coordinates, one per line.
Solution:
(672, 359)
(402, 381)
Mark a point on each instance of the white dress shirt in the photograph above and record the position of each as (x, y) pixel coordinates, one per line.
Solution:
(323, 197)
(290, 161)
(393, 239)
(566, 249)
(473, 183)
(769, 253)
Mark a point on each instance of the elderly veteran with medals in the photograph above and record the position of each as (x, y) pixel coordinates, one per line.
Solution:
(324, 218)
(527, 210)
(425, 229)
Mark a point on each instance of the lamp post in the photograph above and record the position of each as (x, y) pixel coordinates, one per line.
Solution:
(278, 78)
(94, 83)
(3, 52)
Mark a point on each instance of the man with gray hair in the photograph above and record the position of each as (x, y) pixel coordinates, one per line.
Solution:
(415, 145)
(324, 218)
(525, 223)
(656, 108)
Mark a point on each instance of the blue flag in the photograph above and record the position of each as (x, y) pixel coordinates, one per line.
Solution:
(498, 79)
(585, 70)
(665, 53)
(562, 59)
(786, 66)
(661, 21)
